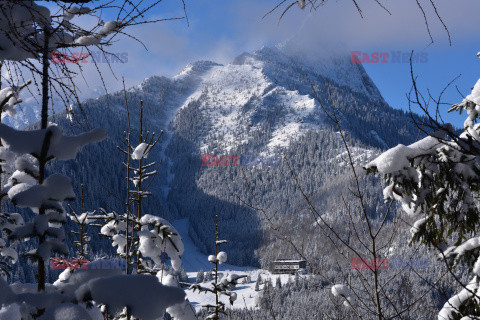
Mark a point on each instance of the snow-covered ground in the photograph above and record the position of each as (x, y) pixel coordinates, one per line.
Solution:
(246, 294)
(193, 261)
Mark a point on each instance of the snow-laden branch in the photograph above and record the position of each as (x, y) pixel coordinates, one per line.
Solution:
(61, 147)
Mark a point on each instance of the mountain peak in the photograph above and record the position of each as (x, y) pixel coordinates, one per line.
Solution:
(244, 58)
(334, 64)
(197, 67)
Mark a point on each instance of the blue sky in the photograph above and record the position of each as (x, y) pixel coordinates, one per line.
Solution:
(219, 30)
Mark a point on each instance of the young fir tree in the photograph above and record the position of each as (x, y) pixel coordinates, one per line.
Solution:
(200, 276)
(143, 239)
(257, 284)
(82, 220)
(208, 276)
(278, 283)
(218, 287)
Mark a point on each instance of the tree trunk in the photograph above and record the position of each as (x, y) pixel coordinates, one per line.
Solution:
(42, 161)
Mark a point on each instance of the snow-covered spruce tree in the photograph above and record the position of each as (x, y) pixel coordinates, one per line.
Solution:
(218, 288)
(30, 33)
(437, 182)
(29, 186)
(200, 276)
(44, 194)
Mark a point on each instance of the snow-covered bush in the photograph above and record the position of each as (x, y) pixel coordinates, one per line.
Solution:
(182, 310)
(340, 290)
(79, 295)
(145, 296)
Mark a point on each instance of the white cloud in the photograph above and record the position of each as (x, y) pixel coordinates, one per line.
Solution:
(339, 21)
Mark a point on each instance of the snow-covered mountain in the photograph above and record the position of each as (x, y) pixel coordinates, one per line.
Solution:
(268, 85)
(261, 104)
